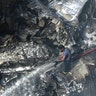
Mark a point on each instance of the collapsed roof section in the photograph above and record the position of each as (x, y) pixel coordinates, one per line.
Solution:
(68, 9)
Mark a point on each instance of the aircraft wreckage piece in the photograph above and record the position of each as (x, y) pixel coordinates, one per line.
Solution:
(69, 10)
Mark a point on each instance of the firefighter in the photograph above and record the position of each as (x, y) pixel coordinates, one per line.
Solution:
(65, 57)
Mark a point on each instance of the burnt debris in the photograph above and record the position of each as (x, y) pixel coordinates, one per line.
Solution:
(30, 33)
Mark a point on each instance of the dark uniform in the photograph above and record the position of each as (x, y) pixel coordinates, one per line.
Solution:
(67, 60)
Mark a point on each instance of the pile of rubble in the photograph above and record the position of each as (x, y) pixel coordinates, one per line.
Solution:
(32, 32)
(45, 21)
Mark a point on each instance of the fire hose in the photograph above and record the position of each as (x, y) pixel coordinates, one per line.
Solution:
(84, 53)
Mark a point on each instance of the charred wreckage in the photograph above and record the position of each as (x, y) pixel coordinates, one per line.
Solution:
(30, 33)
